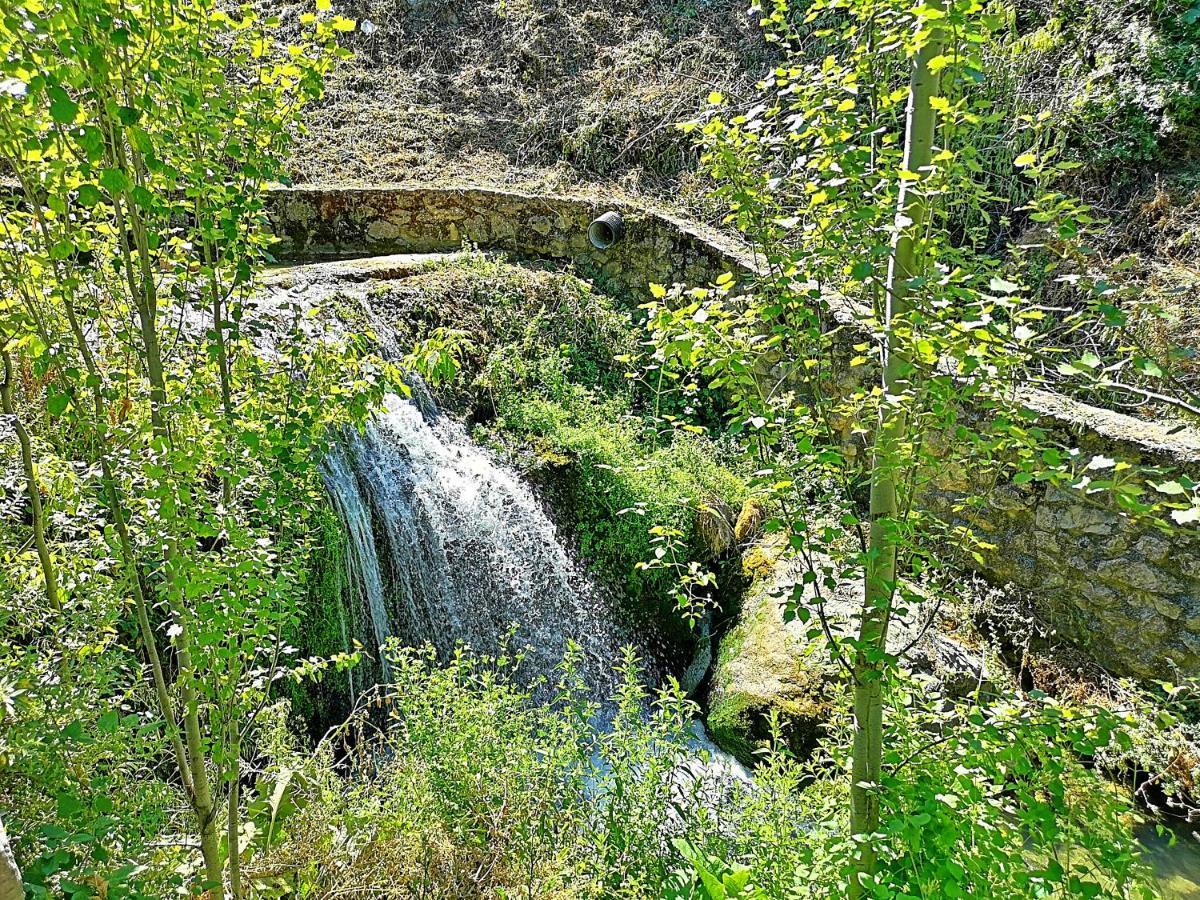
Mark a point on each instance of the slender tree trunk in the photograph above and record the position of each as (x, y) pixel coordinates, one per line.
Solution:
(887, 464)
(233, 817)
(202, 795)
(31, 485)
(116, 507)
(218, 313)
(11, 886)
(140, 279)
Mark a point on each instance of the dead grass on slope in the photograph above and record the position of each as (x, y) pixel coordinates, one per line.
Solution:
(532, 93)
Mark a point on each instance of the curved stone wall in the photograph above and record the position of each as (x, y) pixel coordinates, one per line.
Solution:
(322, 223)
(1116, 588)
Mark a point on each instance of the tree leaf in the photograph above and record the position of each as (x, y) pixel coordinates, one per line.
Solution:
(115, 181)
(57, 403)
(63, 109)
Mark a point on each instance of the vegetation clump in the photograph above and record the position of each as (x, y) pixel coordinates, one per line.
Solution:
(476, 790)
(543, 369)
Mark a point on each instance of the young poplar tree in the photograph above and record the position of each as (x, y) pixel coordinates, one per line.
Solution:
(905, 265)
(883, 346)
(142, 137)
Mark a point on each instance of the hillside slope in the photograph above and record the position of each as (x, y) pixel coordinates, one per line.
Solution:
(563, 95)
(544, 93)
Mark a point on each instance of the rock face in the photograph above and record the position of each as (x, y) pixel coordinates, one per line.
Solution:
(1119, 589)
(766, 666)
(10, 876)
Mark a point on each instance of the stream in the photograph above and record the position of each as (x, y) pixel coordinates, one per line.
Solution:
(448, 547)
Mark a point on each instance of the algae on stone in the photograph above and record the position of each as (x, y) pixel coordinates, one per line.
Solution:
(769, 668)
(765, 668)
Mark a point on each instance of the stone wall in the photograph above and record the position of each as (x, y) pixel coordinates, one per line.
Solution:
(322, 223)
(1122, 591)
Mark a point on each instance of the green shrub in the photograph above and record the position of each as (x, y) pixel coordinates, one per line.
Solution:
(475, 790)
(621, 487)
(521, 314)
(1123, 79)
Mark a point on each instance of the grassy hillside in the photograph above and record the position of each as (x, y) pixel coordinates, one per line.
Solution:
(562, 91)
(547, 92)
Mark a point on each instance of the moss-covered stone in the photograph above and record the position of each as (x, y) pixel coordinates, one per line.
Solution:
(771, 669)
(767, 669)
(322, 630)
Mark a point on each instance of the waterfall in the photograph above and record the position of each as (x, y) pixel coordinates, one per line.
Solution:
(449, 547)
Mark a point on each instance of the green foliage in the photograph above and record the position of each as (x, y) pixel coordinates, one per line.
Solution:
(477, 789)
(511, 325)
(1129, 77)
(994, 800)
(142, 138)
(78, 743)
(623, 488)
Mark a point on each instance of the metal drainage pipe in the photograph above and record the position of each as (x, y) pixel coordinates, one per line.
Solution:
(606, 230)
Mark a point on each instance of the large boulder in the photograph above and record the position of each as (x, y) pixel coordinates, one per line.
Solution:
(771, 668)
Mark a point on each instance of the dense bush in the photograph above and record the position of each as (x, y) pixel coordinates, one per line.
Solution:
(1128, 81)
(628, 493)
(474, 790)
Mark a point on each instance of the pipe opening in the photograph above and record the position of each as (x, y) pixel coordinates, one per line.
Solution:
(606, 230)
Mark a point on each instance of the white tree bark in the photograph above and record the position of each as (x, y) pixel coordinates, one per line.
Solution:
(11, 887)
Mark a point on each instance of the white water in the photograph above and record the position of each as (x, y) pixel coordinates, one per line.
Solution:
(447, 546)
(450, 548)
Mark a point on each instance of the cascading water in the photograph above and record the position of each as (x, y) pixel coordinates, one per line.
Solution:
(448, 547)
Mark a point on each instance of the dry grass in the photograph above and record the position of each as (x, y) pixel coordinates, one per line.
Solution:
(533, 93)
(1162, 228)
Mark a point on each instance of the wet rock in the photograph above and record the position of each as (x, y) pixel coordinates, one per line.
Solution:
(768, 667)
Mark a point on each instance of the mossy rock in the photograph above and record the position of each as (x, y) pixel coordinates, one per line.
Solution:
(771, 669)
(767, 669)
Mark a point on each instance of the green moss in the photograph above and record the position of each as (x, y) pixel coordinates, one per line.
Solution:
(765, 674)
(322, 629)
(731, 724)
(614, 481)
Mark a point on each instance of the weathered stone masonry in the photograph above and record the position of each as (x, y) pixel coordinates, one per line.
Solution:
(317, 223)
(1123, 592)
